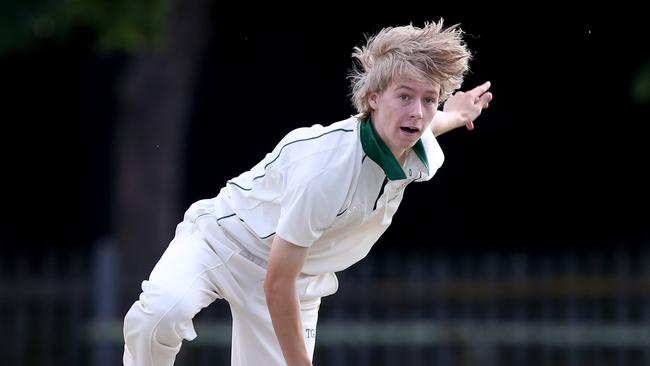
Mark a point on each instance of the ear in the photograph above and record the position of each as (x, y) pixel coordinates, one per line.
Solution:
(372, 100)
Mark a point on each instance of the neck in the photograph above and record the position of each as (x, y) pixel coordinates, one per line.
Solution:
(400, 155)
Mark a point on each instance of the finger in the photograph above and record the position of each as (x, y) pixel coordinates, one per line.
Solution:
(484, 100)
(469, 125)
(481, 89)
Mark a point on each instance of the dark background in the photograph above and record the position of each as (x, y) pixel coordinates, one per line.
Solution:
(559, 157)
(538, 218)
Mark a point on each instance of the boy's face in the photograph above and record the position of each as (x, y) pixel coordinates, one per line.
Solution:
(403, 111)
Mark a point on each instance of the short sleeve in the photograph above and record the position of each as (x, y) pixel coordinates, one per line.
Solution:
(434, 154)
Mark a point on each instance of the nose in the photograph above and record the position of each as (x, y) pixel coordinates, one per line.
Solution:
(416, 111)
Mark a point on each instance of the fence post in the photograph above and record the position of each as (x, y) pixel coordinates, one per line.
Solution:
(570, 267)
(74, 313)
(520, 271)
(21, 321)
(621, 271)
(45, 315)
(104, 289)
(646, 299)
(392, 265)
(416, 274)
(547, 273)
(442, 269)
(365, 273)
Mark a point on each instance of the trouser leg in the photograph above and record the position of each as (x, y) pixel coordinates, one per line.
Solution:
(253, 338)
(254, 341)
(196, 269)
(180, 285)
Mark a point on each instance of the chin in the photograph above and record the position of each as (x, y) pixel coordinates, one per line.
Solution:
(408, 145)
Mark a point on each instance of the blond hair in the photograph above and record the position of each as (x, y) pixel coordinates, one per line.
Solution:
(431, 53)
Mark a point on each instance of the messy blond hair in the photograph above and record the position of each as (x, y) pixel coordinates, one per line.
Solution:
(431, 54)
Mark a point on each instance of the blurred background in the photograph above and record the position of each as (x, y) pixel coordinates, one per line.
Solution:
(531, 245)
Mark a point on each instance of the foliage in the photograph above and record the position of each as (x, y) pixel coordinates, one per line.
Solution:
(116, 25)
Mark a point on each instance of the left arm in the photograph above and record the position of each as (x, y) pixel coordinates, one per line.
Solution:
(461, 109)
(285, 264)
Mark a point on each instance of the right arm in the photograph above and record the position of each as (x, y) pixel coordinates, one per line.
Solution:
(285, 264)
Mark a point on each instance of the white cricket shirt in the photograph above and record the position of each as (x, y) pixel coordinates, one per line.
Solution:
(333, 189)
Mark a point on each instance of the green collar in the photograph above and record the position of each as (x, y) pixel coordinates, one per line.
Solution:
(377, 150)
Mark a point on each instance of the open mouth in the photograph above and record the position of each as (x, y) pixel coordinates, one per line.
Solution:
(409, 129)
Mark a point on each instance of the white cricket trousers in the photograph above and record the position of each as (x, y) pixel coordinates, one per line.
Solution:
(201, 265)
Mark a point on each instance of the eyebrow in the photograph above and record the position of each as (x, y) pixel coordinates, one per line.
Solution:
(430, 91)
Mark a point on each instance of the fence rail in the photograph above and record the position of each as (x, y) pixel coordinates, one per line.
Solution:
(425, 332)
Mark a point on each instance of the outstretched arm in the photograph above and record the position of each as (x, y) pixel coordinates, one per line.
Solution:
(461, 109)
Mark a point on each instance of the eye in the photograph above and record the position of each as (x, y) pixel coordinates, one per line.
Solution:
(429, 101)
(403, 97)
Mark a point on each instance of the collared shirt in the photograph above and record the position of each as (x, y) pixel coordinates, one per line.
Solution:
(334, 189)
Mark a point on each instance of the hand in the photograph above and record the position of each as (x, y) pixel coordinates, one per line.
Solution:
(468, 105)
